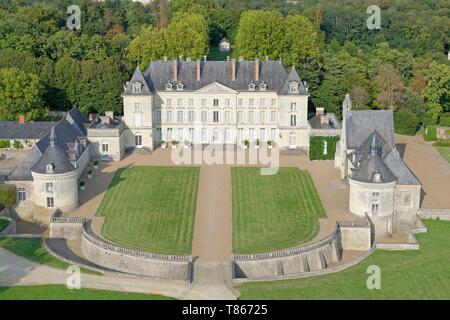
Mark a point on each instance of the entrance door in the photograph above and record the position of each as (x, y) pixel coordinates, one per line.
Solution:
(292, 140)
(138, 140)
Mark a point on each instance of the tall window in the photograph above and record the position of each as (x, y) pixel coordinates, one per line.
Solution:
(251, 102)
(191, 116)
(204, 135)
(158, 134)
(239, 102)
(215, 116)
(137, 107)
(138, 140)
(180, 116)
(374, 208)
(215, 102)
(273, 134)
(227, 102)
(203, 102)
(204, 116)
(191, 134)
(251, 134)
(274, 102)
(240, 136)
(137, 87)
(180, 134)
(191, 102)
(239, 117)
(293, 106)
(179, 103)
(293, 120)
(169, 134)
(262, 102)
(49, 186)
(105, 147)
(273, 116)
(293, 87)
(227, 117)
(21, 194)
(169, 103)
(250, 116)
(169, 116)
(262, 134)
(50, 202)
(262, 116)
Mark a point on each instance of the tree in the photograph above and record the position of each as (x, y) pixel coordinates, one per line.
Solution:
(405, 122)
(437, 90)
(390, 86)
(7, 196)
(20, 94)
(330, 95)
(360, 96)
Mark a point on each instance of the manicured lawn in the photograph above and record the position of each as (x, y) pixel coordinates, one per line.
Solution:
(59, 292)
(3, 224)
(445, 152)
(422, 274)
(32, 249)
(273, 212)
(152, 208)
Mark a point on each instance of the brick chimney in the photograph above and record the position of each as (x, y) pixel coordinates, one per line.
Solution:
(21, 119)
(198, 69)
(175, 71)
(233, 70)
(256, 69)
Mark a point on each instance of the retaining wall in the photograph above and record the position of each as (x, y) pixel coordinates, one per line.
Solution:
(441, 214)
(114, 257)
(300, 260)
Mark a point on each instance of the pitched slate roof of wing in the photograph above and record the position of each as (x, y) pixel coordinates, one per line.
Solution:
(362, 123)
(396, 164)
(159, 73)
(54, 154)
(372, 163)
(67, 131)
(25, 131)
(137, 76)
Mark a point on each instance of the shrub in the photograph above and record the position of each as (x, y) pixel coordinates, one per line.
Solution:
(269, 142)
(316, 148)
(17, 144)
(4, 144)
(7, 195)
(95, 162)
(406, 122)
(430, 133)
(82, 183)
(442, 143)
(89, 172)
(445, 120)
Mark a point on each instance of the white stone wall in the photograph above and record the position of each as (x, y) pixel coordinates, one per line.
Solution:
(65, 190)
(256, 110)
(407, 203)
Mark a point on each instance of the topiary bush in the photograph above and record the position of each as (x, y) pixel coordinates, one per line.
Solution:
(406, 122)
(7, 195)
(4, 144)
(316, 147)
(17, 144)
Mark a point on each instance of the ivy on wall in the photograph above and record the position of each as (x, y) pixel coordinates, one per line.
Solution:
(322, 148)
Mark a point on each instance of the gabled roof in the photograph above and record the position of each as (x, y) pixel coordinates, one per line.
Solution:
(362, 123)
(224, 39)
(293, 76)
(137, 77)
(25, 131)
(159, 73)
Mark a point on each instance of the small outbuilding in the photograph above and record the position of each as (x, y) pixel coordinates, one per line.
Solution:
(224, 45)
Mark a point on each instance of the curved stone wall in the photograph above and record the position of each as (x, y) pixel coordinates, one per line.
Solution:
(114, 257)
(362, 197)
(305, 259)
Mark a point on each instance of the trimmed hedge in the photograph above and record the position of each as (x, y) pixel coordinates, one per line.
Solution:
(445, 120)
(4, 144)
(316, 146)
(431, 133)
(442, 143)
(406, 122)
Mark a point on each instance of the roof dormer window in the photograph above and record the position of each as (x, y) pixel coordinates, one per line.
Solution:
(251, 86)
(169, 86)
(50, 168)
(293, 87)
(137, 87)
(180, 86)
(262, 86)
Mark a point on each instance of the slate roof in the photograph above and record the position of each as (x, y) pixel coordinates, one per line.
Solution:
(54, 154)
(159, 73)
(224, 39)
(67, 133)
(376, 154)
(10, 130)
(362, 123)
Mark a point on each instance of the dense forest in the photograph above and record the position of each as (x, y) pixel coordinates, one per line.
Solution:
(402, 66)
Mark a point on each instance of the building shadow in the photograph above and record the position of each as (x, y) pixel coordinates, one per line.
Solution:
(401, 147)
